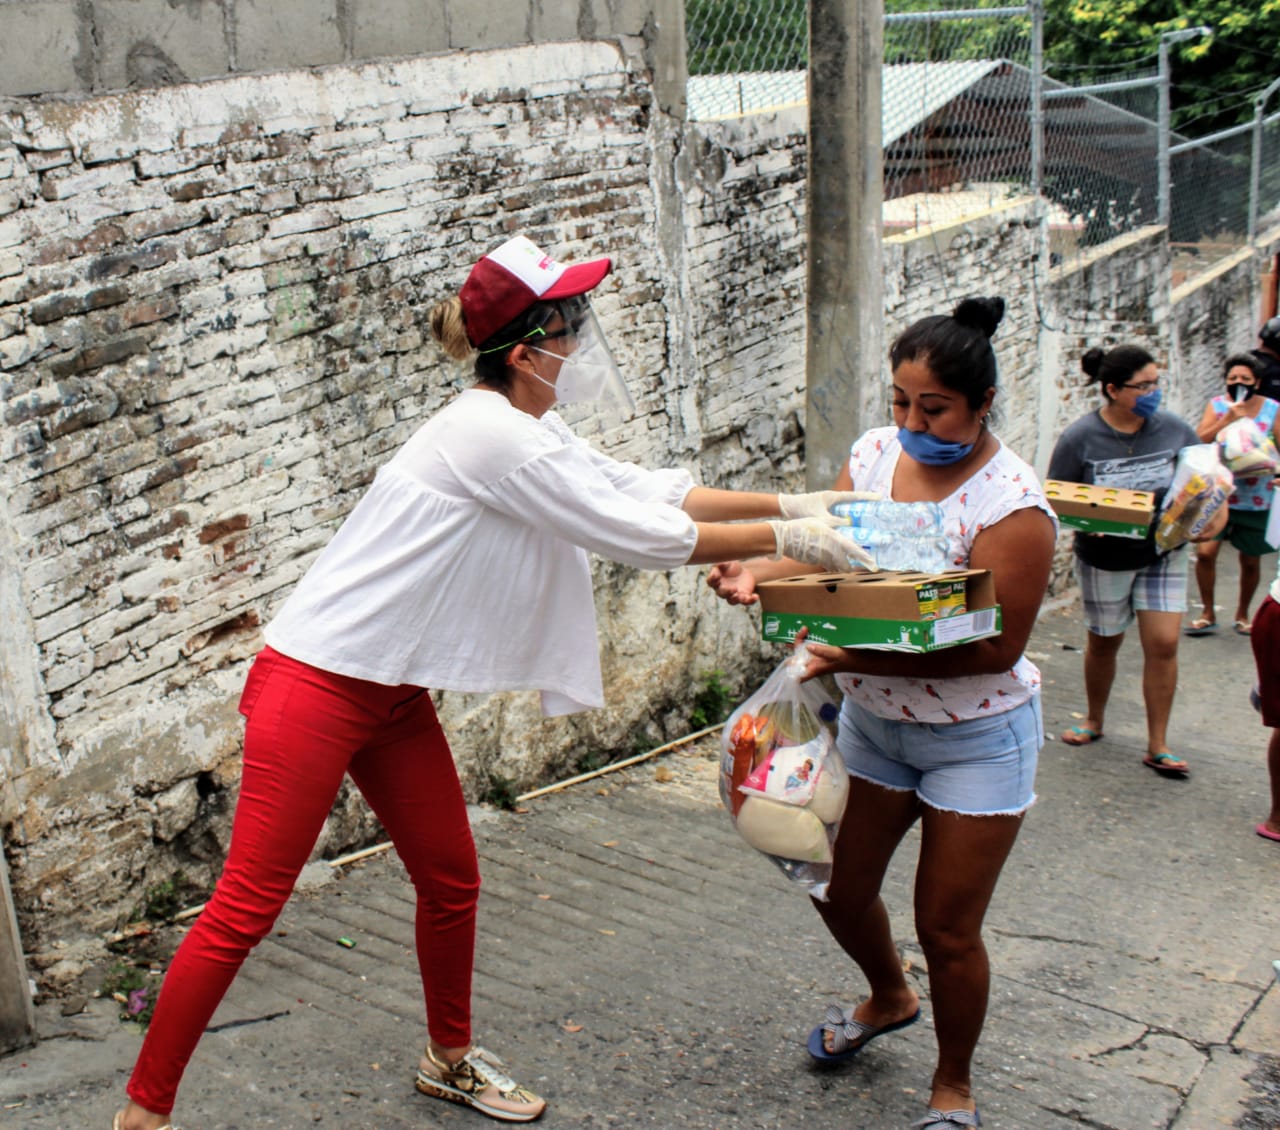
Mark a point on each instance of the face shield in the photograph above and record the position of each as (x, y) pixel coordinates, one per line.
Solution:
(591, 394)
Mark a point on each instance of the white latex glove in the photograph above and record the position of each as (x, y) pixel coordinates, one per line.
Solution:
(818, 504)
(814, 542)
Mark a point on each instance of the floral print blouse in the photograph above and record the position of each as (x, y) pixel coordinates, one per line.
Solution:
(1002, 485)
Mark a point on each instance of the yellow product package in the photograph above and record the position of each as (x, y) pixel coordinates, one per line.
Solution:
(1200, 488)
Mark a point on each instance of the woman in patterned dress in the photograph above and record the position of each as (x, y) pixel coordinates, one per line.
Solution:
(1250, 502)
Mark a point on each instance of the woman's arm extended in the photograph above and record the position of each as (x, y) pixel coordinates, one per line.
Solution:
(706, 504)
(1019, 551)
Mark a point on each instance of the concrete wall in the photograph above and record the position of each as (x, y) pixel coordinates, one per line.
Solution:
(59, 46)
(1216, 314)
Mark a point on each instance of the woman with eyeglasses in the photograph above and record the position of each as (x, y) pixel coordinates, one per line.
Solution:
(1128, 442)
(1250, 501)
(463, 568)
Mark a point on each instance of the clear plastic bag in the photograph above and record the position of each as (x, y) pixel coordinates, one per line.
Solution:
(1247, 450)
(781, 777)
(1200, 488)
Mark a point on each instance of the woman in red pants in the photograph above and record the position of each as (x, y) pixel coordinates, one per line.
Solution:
(463, 568)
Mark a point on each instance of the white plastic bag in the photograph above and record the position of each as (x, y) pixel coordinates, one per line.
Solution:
(1200, 488)
(781, 777)
(1246, 450)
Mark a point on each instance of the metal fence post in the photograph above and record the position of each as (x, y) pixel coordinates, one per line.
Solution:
(1037, 96)
(1255, 165)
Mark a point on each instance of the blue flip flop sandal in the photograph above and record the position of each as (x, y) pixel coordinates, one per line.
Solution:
(1167, 765)
(848, 1036)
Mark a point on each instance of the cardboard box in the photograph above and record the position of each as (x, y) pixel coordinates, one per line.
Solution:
(1102, 510)
(888, 611)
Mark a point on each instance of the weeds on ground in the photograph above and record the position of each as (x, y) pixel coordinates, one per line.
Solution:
(500, 792)
(163, 900)
(714, 701)
(135, 989)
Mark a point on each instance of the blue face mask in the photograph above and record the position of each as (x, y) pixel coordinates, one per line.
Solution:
(1146, 405)
(926, 448)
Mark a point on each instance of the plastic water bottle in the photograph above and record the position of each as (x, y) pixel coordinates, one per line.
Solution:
(899, 535)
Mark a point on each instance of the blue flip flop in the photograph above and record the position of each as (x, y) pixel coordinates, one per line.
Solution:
(850, 1036)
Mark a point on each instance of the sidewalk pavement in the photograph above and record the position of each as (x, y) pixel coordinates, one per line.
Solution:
(641, 967)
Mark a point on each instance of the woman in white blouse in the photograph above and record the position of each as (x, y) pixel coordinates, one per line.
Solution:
(463, 568)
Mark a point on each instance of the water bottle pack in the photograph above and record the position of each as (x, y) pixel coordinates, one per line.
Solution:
(899, 535)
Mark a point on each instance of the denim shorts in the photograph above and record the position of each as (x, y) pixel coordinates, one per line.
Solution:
(978, 767)
(1110, 598)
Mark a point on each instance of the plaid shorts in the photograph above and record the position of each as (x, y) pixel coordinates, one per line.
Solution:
(1111, 599)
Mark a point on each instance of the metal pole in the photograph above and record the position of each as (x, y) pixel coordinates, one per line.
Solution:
(844, 342)
(1162, 138)
(1163, 183)
(1255, 165)
(1101, 87)
(1037, 96)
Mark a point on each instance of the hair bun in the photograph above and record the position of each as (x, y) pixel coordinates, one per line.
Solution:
(980, 314)
(1091, 362)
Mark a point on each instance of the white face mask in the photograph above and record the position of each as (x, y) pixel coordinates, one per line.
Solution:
(589, 376)
(584, 375)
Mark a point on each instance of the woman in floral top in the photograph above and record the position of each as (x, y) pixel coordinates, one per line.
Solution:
(1249, 504)
(949, 738)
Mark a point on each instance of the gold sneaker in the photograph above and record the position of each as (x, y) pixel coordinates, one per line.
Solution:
(477, 1081)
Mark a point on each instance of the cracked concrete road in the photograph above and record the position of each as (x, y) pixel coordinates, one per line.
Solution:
(643, 968)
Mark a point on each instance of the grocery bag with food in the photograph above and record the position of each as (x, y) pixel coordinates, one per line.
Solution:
(781, 777)
(1248, 450)
(1200, 488)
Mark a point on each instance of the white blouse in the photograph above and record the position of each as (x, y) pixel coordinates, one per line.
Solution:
(465, 566)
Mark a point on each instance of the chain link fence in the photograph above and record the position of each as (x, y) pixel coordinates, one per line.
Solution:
(959, 102)
(956, 98)
(1268, 173)
(745, 56)
(1208, 201)
(1100, 171)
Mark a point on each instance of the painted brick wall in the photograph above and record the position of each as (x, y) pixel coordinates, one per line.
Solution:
(211, 335)
(743, 191)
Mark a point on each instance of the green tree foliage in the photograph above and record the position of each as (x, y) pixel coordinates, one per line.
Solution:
(1215, 79)
(727, 36)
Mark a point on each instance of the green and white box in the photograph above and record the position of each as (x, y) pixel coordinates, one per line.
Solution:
(887, 611)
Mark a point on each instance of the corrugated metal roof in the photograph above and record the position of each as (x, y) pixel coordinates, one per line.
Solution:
(910, 94)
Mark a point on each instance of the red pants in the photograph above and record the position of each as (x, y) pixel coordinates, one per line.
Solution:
(1265, 638)
(306, 728)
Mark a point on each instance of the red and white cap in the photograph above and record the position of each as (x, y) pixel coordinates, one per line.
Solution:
(511, 278)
